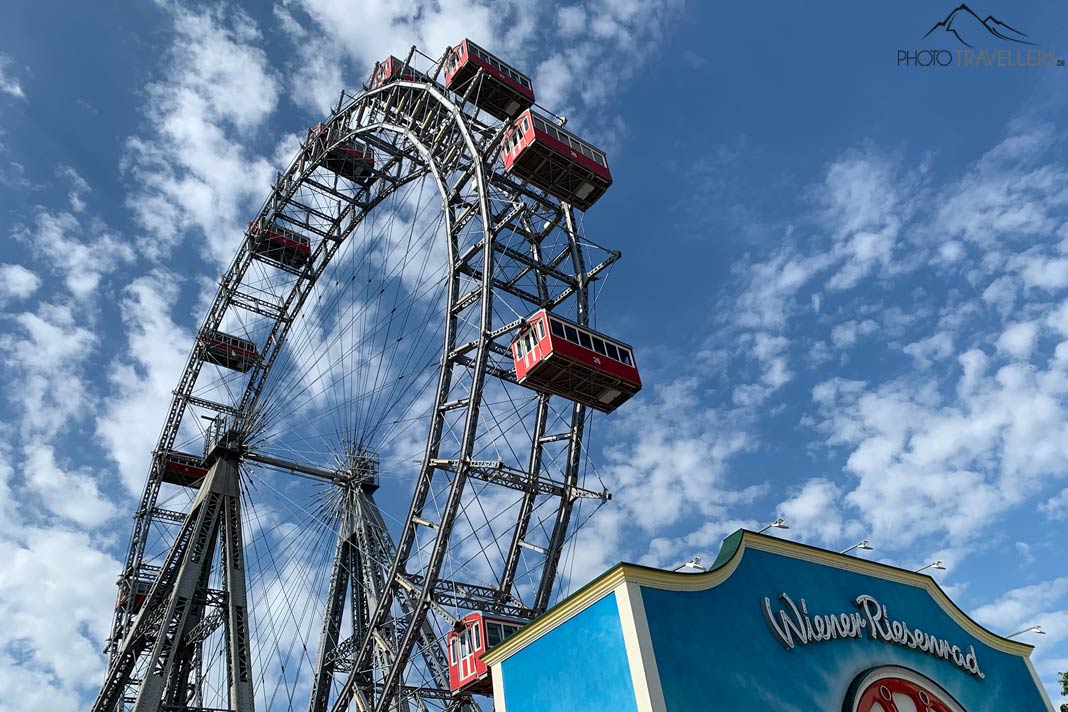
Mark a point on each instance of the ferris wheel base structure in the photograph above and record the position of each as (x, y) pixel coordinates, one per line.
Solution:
(771, 625)
(407, 316)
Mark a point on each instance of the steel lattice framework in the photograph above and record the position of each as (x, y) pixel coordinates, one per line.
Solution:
(500, 468)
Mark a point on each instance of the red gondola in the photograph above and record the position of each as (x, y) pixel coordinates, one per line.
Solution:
(182, 469)
(139, 590)
(478, 633)
(392, 69)
(504, 91)
(351, 159)
(556, 355)
(279, 244)
(555, 160)
(228, 351)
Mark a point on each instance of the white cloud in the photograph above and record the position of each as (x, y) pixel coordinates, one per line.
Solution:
(80, 249)
(78, 188)
(932, 349)
(844, 335)
(10, 520)
(554, 80)
(860, 215)
(56, 596)
(600, 543)
(72, 495)
(619, 38)
(17, 282)
(341, 31)
(571, 20)
(8, 83)
(430, 26)
(194, 171)
(865, 251)
(1045, 273)
(974, 363)
(768, 295)
(864, 211)
(1018, 340)
(666, 465)
(1027, 556)
(318, 80)
(1057, 319)
(142, 379)
(672, 457)
(817, 510)
(859, 194)
(926, 465)
(703, 542)
(950, 251)
(769, 352)
(13, 175)
(1056, 507)
(45, 359)
(1024, 606)
(82, 253)
(1005, 195)
(1001, 294)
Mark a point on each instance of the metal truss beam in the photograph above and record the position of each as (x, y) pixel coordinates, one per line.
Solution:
(288, 466)
(496, 472)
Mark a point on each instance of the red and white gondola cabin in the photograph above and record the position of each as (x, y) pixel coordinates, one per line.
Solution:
(139, 590)
(182, 469)
(392, 69)
(352, 160)
(557, 161)
(504, 91)
(479, 632)
(228, 351)
(278, 244)
(556, 355)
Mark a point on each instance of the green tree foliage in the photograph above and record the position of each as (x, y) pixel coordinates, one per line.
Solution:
(1064, 689)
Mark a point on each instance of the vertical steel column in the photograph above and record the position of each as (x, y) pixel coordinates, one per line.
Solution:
(335, 608)
(574, 447)
(239, 663)
(526, 505)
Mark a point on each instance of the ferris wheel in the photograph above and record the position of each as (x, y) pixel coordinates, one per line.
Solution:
(375, 454)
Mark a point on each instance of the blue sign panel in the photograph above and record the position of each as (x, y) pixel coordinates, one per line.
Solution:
(576, 667)
(790, 630)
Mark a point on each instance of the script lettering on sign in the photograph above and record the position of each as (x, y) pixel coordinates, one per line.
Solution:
(793, 625)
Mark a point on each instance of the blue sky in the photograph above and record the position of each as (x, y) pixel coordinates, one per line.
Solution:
(846, 281)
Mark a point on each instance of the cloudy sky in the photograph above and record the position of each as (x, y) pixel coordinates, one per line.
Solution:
(846, 280)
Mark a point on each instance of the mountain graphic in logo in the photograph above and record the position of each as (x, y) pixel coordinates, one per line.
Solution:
(968, 28)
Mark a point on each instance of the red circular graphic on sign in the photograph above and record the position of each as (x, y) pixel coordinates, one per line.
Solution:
(892, 694)
(895, 689)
